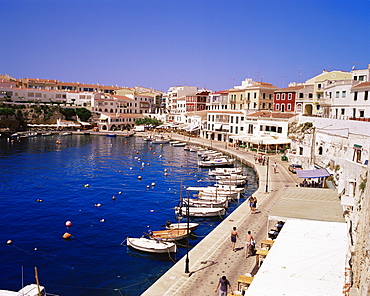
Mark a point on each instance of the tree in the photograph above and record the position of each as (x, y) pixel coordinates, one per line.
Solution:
(83, 114)
(148, 121)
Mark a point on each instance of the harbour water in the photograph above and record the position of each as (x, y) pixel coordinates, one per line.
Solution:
(92, 181)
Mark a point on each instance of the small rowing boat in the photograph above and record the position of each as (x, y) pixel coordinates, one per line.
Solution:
(150, 245)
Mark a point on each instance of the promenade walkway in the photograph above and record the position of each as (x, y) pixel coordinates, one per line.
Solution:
(212, 257)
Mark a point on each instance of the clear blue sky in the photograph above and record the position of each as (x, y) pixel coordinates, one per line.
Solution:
(163, 43)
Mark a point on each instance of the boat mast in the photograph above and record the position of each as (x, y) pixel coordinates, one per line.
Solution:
(37, 282)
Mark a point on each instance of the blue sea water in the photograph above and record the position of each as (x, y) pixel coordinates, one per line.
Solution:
(94, 262)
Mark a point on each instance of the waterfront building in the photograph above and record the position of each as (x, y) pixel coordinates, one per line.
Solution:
(176, 92)
(303, 97)
(285, 99)
(217, 100)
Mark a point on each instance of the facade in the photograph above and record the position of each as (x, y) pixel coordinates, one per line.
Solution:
(217, 100)
(303, 98)
(284, 99)
(176, 92)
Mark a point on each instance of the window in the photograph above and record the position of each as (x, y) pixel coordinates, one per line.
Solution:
(236, 119)
(366, 96)
(342, 111)
(319, 85)
(289, 96)
(255, 95)
(277, 107)
(278, 97)
(231, 119)
(337, 94)
(283, 97)
(310, 95)
(280, 130)
(344, 94)
(263, 95)
(355, 96)
(361, 78)
(300, 150)
(289, 107)
(270, 96)
(301, 95)
(362, 113)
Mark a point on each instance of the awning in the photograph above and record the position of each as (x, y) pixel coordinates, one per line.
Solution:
(319, 173)
(218, 126)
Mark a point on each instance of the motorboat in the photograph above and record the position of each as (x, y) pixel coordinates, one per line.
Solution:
(217, 162)
(192, 226)
(224, 171)
(217, 192)
(200, 212)
(160, 140)
(151, 246)
(207, 203)
(238, 182)
(232, 177)
(179, 144)
(170, 235)
(66, 134)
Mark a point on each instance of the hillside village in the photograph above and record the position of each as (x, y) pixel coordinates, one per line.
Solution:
(323, 122)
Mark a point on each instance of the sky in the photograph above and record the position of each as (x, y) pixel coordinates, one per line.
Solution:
(212, 44)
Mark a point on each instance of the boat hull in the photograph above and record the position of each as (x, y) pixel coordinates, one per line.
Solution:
(192, 226)
(170, 235)
(151, 246)
(200, 212)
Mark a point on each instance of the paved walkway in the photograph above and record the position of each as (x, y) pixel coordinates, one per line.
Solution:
(212, 257)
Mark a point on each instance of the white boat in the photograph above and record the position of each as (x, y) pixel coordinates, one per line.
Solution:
(150, 245)
(179, 144)
(160, 140)
(174, 142)
(207, 203)
(200, 212)
(46, 134)
(192, 226)
(217, 162)
(232, 177)
(224, 171)
(217, 192)
(29, 290)
(239, 182)
(66, 134)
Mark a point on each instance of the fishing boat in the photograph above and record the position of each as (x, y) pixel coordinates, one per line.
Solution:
(235, 182)
(217, 162)
(207, 203)
(151, 246)
(179, 144)
(217, 192)
(192, 226)
(200, 212)
(170, 235)
(224, 171)
(29, 290)
(160, 140)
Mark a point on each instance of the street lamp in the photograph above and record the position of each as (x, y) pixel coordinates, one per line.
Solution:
(187, 240)
(267, 175)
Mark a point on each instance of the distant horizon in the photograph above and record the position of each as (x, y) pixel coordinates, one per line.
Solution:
(212, 44)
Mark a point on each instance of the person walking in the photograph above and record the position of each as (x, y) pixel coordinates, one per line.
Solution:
(251, 202)
(248, 244)
(274, 166)
(254, 205)
(234, 235)
(223, 283)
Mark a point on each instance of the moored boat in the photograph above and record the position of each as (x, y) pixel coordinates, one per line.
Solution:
(207, 203)
(150, 245)
(111, 135)
(170, 235)
(217, 162)
(192, 226)
(224, 171)
(200, 212)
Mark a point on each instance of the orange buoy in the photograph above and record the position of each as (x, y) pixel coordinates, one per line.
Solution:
(68, 223)
(67, 235)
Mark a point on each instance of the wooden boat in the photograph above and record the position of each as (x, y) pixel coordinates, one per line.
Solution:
(151, 246)
(200, 212)
(207, 203)
(29, 290)
(111, 135)
(192, 226)
(224, 171)
(170, 235)
(160, 140)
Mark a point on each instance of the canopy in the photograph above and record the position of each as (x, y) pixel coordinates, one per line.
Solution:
(307, 258)
(319, 173)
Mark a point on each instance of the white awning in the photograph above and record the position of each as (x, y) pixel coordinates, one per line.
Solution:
(307, 258)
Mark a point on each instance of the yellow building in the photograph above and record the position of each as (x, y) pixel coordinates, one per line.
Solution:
(314, 107)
